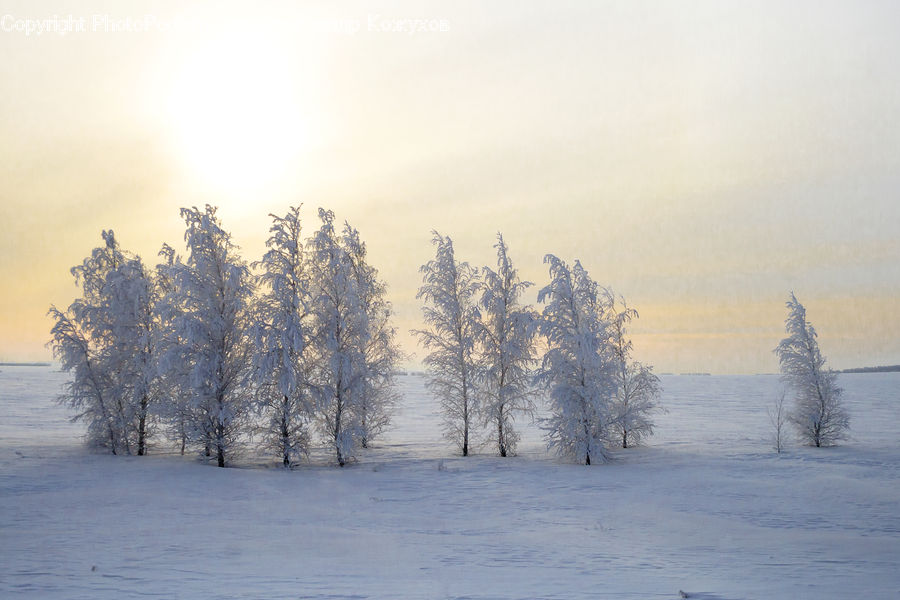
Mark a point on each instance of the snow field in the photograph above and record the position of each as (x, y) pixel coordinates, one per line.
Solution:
(705, 507)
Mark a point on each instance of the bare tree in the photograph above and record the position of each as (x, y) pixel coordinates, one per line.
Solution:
(777, 417)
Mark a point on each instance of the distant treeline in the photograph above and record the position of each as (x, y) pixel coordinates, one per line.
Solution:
(885, 369)
(24, 364)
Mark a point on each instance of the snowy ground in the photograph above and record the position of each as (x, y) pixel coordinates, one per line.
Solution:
(706, 508)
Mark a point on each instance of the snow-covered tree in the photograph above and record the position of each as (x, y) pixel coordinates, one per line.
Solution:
(579, 366)
(105, 339)
(818, 414)
(210, 352)
(506, 334)
(132, 295)
(174, 406)
(380, 352)
(281, 333)
(637, 388)
(87, 390)
(340, 335)
(451, 312)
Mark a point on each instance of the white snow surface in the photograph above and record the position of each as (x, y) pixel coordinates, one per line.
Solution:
(706, 507)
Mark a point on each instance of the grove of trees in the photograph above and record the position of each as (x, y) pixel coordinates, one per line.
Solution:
(484, 367)
(211, 355)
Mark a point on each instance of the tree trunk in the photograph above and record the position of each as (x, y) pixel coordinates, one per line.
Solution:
(220, 440)
(587, 435)
(501, 441)
(142, 428)
(624, 438)
(365, 432)
(466, 439)
(465, 448)
(285, 435)
(182, 432)
(337, 434)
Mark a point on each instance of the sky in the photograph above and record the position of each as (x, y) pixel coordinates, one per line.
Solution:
(703, 159)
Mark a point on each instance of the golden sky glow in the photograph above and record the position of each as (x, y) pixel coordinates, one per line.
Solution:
(702, 158)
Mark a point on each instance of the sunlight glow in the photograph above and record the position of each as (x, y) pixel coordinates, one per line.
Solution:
(237, 115)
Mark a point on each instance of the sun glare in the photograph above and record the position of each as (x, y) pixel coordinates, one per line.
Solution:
(237, 115)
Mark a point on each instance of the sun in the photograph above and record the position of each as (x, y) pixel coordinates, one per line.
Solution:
(236, 114)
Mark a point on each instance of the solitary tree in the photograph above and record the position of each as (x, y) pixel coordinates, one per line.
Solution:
(818, 412)
(450, 311)
(507, 340)
(579, 366)
(210, 347)
(282, 338)
(637, 388)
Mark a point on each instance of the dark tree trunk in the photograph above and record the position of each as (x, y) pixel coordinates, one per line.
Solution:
(220, 441)
(337, 433)
(364, 442)
(624, 438)
(501, 442)
(142, 428)
(466, 439)
(285, 435)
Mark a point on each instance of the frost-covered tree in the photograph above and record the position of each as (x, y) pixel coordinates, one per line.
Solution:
(380, 352)
(818, 414)
(506, 334)
(340, 335)
(105, 339)
(579, 366)
(451, 313)
(132, 295)
(174, 406)
(637, 388)
(86, 390)
(210, 351)
(282, 337)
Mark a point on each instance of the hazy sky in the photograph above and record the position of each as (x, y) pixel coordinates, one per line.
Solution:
(702, 158)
